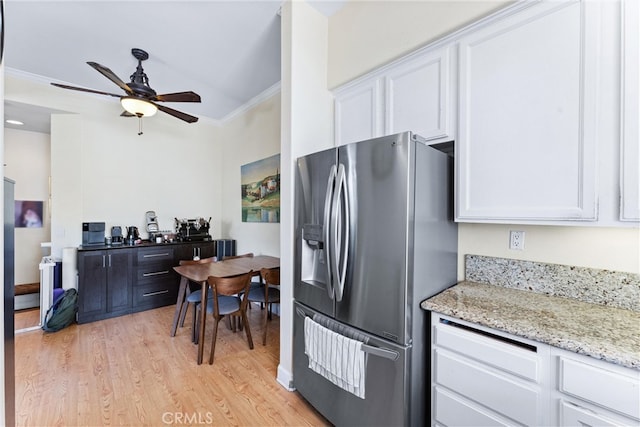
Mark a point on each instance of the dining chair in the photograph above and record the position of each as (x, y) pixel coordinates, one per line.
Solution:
(193, 297)
(226, 302)
(267, 293)
(254, 284)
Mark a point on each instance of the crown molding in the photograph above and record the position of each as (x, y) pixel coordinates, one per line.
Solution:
(258, 99)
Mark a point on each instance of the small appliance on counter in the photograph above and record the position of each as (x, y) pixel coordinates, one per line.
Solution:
(116, 235)
(92, 233)
(132, 235)
(155, 235)
(193, 230)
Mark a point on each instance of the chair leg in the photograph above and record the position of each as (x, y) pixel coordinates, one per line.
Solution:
(213, 341)
(195, 325)
(264, 330)
(245, 320)
(184, 308)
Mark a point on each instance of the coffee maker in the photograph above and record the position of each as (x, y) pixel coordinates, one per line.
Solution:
(132, 235)
(116, 235)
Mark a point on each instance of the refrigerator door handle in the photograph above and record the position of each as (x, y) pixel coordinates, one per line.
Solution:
(326, 225)
(341, 234)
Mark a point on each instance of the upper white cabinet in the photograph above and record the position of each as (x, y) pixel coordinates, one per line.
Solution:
(630, 112)
(357, 112)
(415, 94)
(420, 96)
(528, 112)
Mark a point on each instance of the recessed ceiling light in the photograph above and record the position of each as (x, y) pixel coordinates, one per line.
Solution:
(15, 122)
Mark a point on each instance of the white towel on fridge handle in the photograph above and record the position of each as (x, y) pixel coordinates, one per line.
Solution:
(337, 358)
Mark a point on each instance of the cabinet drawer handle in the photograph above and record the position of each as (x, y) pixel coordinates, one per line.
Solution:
(156, 255)
(150, 294)
(155, 273)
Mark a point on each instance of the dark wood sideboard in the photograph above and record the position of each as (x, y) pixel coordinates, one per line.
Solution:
(118, 280)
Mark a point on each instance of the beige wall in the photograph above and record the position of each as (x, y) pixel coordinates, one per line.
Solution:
(364, 35)
(27, 162)
(249, 137)
(596, 247)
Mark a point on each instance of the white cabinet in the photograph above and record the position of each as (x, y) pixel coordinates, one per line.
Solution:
(420, 96)
(415, 94)
(630, 112)
(528, 116)
(358, 112)
(482, 377)
(592, 392)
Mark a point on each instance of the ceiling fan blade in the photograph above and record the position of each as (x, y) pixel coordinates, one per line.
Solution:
(179, 97)
(178, 114)
(111, 76)
(86, 90)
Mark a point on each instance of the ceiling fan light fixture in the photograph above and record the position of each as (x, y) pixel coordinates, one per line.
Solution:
(138, 107)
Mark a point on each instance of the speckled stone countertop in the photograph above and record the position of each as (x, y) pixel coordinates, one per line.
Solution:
(594, 329)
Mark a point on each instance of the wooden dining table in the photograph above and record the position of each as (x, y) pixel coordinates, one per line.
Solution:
(199, 273)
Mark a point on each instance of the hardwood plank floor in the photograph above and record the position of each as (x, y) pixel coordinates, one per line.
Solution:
(129, 371)
(26, 318)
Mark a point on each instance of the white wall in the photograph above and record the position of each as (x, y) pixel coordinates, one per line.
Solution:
(27, 157)
(251, 136)
(102, 170)
(307, 110)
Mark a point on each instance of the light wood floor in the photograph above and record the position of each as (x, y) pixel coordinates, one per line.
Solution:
(129, 371)
(26, 318)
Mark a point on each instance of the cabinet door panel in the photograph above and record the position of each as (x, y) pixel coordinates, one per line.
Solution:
(454, 410)
(357, 113)
(119, 268)
(92, 285)
(487, 387)
(630, 150)
(418, 95)
(573, 415)
(528, 103)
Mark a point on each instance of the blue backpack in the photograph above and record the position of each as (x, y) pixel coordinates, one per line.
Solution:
(62, 313)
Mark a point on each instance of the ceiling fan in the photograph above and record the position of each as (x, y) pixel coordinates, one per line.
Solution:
(140, 100)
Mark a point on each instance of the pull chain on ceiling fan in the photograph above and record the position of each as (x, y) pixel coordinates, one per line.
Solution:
(140, 99)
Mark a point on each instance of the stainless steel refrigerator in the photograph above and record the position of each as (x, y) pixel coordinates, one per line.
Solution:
(374, 237)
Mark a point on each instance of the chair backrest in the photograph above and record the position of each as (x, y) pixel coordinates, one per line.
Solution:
(249, 255)
(270, 276)
(230, 285)
(198, 261)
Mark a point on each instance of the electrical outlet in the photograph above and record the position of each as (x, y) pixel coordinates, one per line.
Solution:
(516, 240)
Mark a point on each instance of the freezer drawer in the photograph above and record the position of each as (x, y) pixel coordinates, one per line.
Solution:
(386, 387)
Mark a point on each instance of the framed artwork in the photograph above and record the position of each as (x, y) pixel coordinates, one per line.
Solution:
(260, 190)
(28, 213)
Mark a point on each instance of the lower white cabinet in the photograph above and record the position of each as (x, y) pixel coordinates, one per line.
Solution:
(481, 376)
(593, 392)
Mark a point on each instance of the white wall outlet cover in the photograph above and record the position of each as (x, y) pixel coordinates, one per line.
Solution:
(516, 240)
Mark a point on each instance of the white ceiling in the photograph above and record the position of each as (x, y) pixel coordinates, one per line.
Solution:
(226, 51)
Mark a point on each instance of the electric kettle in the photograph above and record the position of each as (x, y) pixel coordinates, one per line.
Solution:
(132, 234)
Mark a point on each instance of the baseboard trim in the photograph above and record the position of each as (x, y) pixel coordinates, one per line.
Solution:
(285, 378)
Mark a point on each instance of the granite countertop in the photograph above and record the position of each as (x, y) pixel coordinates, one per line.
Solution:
(603, 332)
